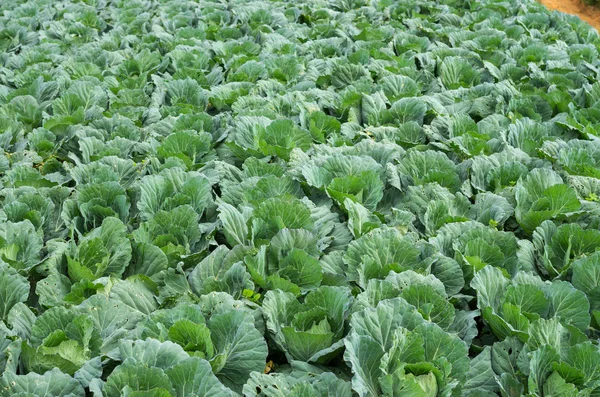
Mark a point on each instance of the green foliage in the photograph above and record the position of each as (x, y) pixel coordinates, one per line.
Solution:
(326, 198)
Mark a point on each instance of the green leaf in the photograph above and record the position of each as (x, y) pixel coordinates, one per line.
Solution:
(104, 251)
(194, 338)
(502, 327)
(541, 196)
(221, 271)
(20, 245)
(135, 377)
(429, 166)
(277, 214)
(52, 383)
(322, 125)
(364, 355)
(309, 331)
(457, 72)
(586, 358)
(448, 271)
(152, 353)
(148, 260)
(556, 386)
(235, 223)
(112, 318)
(570, 305)
(303, 345)
(189, 146)
(481, 375)
(586, 278)
(408, 109)
(194, 377)
(137, 292)
(541, 362)
(243, 346)
(389, 314)
(438, 344)
(365, 188)
(281, 136)
(528, 298)
(360, 219)
(91, 369)
(174, 187)
(301, 269)
(375, 254)
(432, 306)
(53, 289)
(397, 86)
(14, 288)
(570, 242)
(373, 108)
(490, 285)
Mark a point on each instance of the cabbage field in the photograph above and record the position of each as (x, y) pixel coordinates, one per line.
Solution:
(298, 199)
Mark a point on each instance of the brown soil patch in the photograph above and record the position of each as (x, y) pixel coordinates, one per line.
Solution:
(590, 14)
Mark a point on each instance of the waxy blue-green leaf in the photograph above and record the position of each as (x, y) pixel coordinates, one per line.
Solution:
(14, 288)
(194, 377)
(51, 383)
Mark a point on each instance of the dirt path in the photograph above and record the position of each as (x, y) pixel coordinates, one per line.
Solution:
(576, 7)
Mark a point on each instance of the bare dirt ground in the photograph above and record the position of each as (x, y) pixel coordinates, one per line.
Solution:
(590, 14)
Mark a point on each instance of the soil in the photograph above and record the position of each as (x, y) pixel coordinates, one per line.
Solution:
(590, 14)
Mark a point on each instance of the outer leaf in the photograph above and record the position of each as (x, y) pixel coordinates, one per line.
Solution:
(193, 377)
(240, 343)
(51, 384)
(14, 288)
(135, 377)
